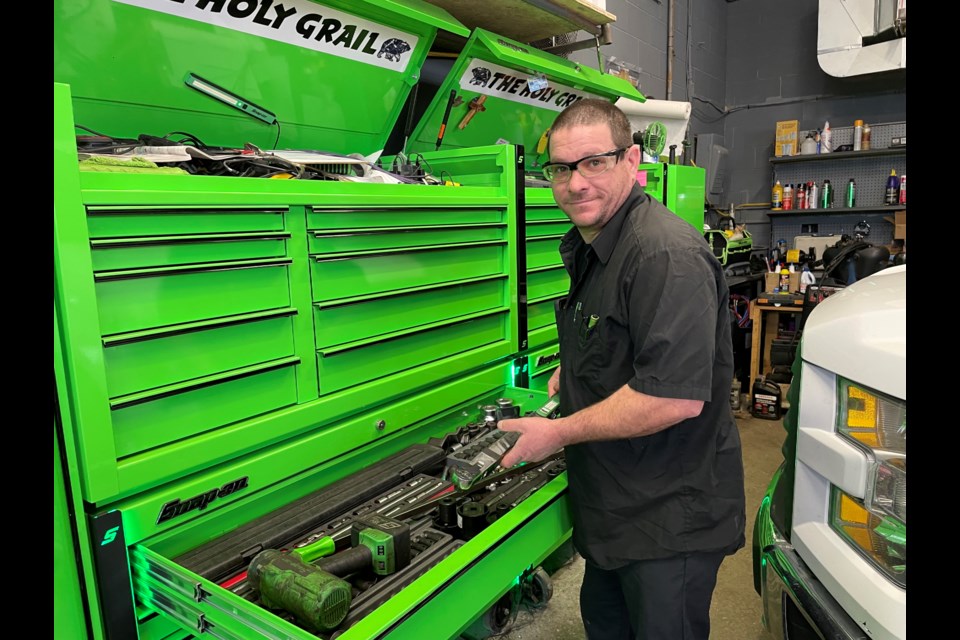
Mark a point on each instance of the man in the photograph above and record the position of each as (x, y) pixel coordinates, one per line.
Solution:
(646, 363)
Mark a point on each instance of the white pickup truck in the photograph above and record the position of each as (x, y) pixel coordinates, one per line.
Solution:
(830, 541)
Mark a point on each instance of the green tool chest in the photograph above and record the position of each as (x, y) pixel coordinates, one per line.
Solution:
(225, 346)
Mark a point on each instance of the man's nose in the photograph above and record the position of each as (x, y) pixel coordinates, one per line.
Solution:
(577, 182)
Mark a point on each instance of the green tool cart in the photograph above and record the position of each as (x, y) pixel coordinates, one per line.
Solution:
(680, 187)
(226, 347)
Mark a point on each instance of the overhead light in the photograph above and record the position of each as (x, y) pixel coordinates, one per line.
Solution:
(228, 98)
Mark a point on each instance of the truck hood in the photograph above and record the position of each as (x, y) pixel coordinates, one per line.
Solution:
(860, 333)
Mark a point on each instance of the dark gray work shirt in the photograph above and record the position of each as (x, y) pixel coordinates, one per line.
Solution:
(662, 325)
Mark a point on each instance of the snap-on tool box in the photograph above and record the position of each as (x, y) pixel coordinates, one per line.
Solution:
(245, 364)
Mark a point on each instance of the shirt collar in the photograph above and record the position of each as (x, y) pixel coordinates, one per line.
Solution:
(606, 241)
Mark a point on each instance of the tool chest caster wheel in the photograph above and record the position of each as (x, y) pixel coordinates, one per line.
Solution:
(537, 589)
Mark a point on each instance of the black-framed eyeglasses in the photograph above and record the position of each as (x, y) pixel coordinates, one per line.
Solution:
(588, 166)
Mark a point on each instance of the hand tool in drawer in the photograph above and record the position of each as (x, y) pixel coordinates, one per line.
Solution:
(317, 594)
(230, 553)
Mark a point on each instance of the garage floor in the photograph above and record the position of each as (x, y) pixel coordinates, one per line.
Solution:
(735, 612)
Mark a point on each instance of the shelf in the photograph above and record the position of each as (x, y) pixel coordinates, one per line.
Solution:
(836, 211)
(842, 155)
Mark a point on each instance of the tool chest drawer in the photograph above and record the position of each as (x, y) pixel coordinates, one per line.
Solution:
(143, 360)
(326, 218)
(346, 241)
(547, 282)
(363, 361)
(130, 300)
(370, 272)
(351, 319)
(543, 251)
(116, 222)
(164, 415)
(136, 253)
(446, 562)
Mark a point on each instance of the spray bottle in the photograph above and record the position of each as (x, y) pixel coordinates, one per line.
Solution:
(776, 198)
(825, 144)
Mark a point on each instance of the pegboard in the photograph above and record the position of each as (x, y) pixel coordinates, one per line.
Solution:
(869, 172)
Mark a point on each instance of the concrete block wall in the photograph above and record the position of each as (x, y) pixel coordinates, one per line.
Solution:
(752, 63)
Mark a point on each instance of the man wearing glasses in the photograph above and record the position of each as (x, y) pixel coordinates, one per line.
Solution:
(653, 454)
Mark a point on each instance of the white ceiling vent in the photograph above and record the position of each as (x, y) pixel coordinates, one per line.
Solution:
(855, 37)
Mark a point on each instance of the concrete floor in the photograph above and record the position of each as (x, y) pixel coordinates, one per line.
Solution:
(735, 610)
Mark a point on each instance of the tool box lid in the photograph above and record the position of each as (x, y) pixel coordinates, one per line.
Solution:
(522, 88)
(330, 75)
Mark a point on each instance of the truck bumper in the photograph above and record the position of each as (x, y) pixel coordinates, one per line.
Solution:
(794, 601)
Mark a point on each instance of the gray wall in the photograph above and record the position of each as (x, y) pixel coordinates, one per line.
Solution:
(750, 64)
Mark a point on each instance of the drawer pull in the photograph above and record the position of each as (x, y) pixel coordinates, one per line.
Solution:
(129, 274)
(190, 327)
(207, 381)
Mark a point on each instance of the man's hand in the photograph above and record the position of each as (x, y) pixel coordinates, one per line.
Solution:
(553, 386)
(539, 438)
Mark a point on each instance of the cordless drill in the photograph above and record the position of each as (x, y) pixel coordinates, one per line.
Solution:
(316, 594)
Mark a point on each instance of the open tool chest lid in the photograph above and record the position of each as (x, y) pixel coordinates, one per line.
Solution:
(520, 90)
(330, 75)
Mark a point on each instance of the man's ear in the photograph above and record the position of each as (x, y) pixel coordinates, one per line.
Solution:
(632, 155)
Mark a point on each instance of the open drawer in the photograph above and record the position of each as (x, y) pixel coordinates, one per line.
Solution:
(460, 564)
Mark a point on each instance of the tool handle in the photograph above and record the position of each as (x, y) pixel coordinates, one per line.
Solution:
(347, 562)
(446, 117)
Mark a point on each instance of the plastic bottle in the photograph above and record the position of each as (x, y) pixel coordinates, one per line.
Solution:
(785, 280)
(787, 197)
(813, 200)
(776, 198)
(892, 194)
(806, 278)
(902, 196)
(851, 199)
(825, 146)
(865, 139)
(826, 195)
(857, 135)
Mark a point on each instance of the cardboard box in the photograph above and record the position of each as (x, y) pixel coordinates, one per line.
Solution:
(900, 225)
(787, 139)
(772, 280)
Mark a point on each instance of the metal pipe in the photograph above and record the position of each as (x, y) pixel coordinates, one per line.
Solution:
(670, 50)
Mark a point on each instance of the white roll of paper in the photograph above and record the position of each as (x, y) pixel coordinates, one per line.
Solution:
(673, 114)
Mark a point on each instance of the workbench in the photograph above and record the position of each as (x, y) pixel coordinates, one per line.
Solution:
(762, 329)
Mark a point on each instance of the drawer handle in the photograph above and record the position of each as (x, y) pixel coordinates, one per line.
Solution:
(390, 252)
(102, 243)
(208, 381)
(129, 274)
(190, 327)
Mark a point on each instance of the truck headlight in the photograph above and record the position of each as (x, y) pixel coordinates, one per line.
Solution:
(881, 539)
(872, 419)
(877, 525)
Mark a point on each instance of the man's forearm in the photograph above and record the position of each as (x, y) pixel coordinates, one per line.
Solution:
(625, 414)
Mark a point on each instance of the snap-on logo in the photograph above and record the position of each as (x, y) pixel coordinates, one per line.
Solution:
(178, 507)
